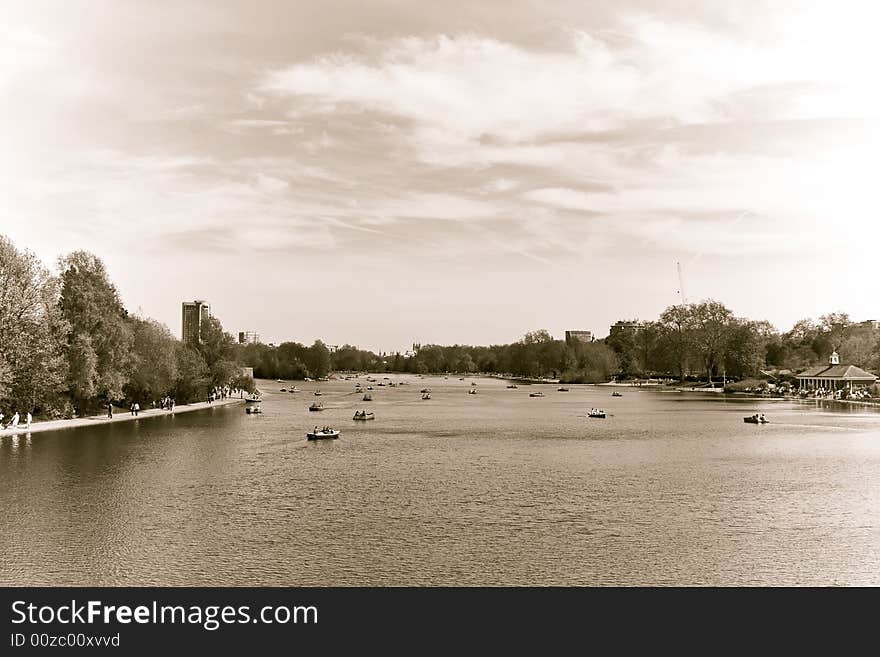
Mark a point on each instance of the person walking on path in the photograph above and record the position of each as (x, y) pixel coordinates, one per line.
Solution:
(14, 422)
(137, 407)
(27, 420)
(1, 421)
(131, 408)
(110, 410)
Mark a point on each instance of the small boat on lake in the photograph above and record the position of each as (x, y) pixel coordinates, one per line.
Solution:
(597, 413)
(283, 389)
(616, 394)
(425, 390)
(756, 419)
(536, 394)
(320, 434)
(318, 393)
(364, 415)
(317, 406)
(252, 405)
(426, 396)
(472, 391)
(512, 386)
(367, 397)
(561, 389)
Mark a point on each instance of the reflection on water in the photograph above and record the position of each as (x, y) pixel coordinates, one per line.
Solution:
(493, 488)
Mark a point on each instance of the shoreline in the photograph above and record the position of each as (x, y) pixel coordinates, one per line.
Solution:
(121, 416)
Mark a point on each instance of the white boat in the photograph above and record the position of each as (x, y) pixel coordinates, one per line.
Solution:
(512, 386)
(364, 415)
(472, 391)
(322, 433)
(253, 405)
(596, 412)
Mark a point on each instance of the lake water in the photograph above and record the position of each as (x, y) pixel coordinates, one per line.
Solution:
(495, 488)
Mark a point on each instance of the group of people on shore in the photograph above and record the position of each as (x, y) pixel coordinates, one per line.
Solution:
(15, 420)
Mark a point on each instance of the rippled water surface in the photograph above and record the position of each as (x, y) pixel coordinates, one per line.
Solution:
(492, 488)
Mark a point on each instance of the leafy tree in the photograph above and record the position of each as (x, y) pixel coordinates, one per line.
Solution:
(154, 360)
(837, 328)
(32, 333)
(318, 359)
(710, 323)
(91, 305)
(193, 376)
(215, 344)
(675, 323)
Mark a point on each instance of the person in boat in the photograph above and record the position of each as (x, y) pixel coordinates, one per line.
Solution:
(762, 418)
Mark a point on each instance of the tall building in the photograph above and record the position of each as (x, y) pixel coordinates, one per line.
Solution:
(248, 337)
(578, 336)
(193, 313)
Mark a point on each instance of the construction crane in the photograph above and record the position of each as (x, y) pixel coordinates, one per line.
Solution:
(681, 285)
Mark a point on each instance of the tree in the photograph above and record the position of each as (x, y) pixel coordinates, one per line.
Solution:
(91, 305)
(32, 333)
(318, 359)
(675, 325)
(710, 322)
(193, 377)
(837, 327)
(154, 360)
(215, 344)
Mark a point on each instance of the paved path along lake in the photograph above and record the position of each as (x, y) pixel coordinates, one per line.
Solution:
(492, 488)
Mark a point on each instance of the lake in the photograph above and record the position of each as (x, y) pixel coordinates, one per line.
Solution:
(495, 488)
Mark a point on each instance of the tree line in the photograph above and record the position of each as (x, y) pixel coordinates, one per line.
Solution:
(537, 354)
(706, 340)
(68, 346)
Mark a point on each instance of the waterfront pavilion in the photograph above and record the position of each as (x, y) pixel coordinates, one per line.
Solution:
(834, 376)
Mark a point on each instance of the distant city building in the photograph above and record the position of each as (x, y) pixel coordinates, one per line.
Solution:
(248, 337)
(626, 326)
(578, 336)
(193, 313)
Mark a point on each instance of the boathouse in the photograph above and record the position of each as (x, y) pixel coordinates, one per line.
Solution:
(834, 376)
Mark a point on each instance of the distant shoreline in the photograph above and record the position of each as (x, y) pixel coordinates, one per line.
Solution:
(120, 415)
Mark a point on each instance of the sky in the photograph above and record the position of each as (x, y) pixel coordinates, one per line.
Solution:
(393, 172)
